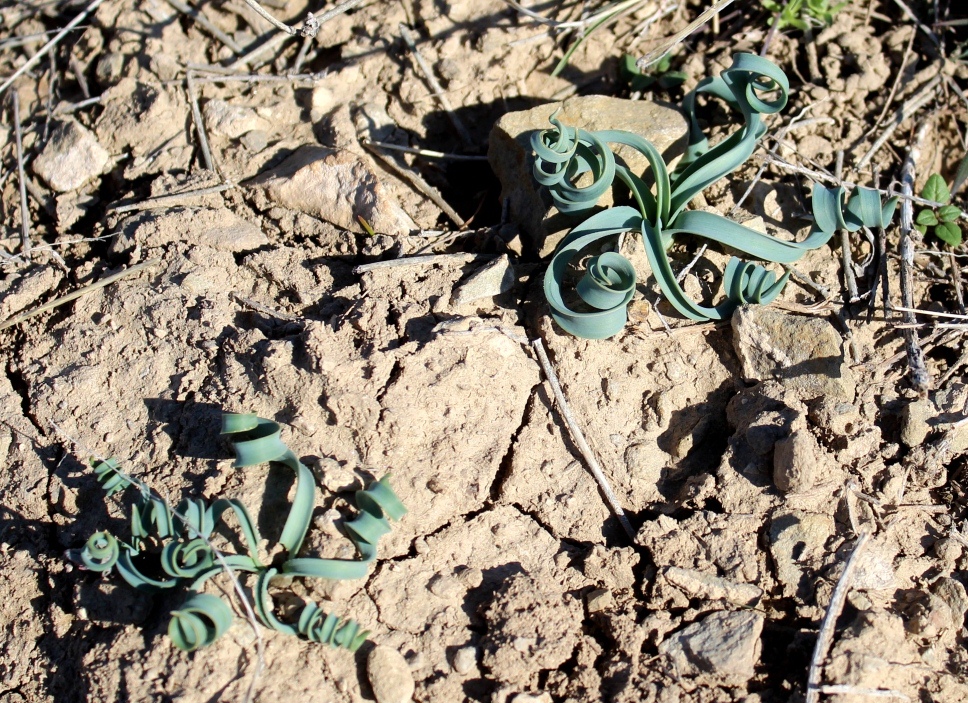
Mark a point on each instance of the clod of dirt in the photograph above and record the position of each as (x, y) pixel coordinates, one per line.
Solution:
(72, 157)
(226, 120)
(724, 645)
(495, 278)
(19, 292)
(336, 186)
(797, 543)
(795, 462)
(529, 629)
(914, 422)
(511, 158)
(216, 229)
(465, 659)
(695, 584)
(389, 675)
(804, 354)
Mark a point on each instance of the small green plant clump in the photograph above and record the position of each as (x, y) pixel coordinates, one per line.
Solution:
(942, 221)
(659, 74)
(802, 14)
(754, 87)
(168, 548)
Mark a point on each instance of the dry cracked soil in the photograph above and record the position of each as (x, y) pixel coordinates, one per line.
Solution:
(761, 461)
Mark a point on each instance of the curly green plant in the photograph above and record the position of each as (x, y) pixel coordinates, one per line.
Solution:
(169, 548)
(942, 221)
(752, 85)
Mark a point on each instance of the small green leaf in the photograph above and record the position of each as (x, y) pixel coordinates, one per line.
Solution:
(936, 189)
(923, 229)
(948, 233)
(948, 213)
(927, 218)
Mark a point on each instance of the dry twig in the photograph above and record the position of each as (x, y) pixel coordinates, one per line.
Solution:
(57, 302)
(35, 59)
(826, 634)
(24, 208)
(579, 438)
(920, 379)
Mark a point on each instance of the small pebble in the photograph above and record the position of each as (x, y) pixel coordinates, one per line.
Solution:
(465, 659)
(389, 675)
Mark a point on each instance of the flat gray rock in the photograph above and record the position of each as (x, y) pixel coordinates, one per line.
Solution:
(805, 354)
(495, 278)
(724, 644)
(512, 159)
(72, 157)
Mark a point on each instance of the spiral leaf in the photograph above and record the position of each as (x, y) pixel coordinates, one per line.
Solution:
(101, 552)
(186, 554)
(201, 620)
(754, 87)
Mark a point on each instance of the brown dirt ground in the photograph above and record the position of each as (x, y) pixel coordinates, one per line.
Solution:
(509, 576)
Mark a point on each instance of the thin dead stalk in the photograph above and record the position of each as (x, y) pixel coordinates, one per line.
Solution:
(35, 59)
(579, 438)
(279, 39)
(169, 200)
(921, 98)
(199, 123)
(671, 42)
(826, 634)
(202, 21)
(418, 182)
(435, 86)
(428, 260)
(22, 180)
(57, 302)
(920, 379)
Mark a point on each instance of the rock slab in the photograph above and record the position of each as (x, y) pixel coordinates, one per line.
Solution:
(805, 354)
(511, 157)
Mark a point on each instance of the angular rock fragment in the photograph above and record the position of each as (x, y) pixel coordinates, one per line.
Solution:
(72, 157)
(336, 186)
(725, 645)
(495, 278)
(805, 354)
(226, 120)
(511, 157)
(795, 462)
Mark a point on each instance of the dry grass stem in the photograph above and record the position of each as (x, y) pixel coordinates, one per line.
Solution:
(671, 42)
(162, 201)
(57, 302)
(206, 24)
(920, 25)
(21, 178)
(423, 152)
(35, 59)
(920, 379)
(844, 690)
(429, 260)
(199, 122)
(579, 439)
(922, 97)
(435, 86)
(826, 634)
(418, 182)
